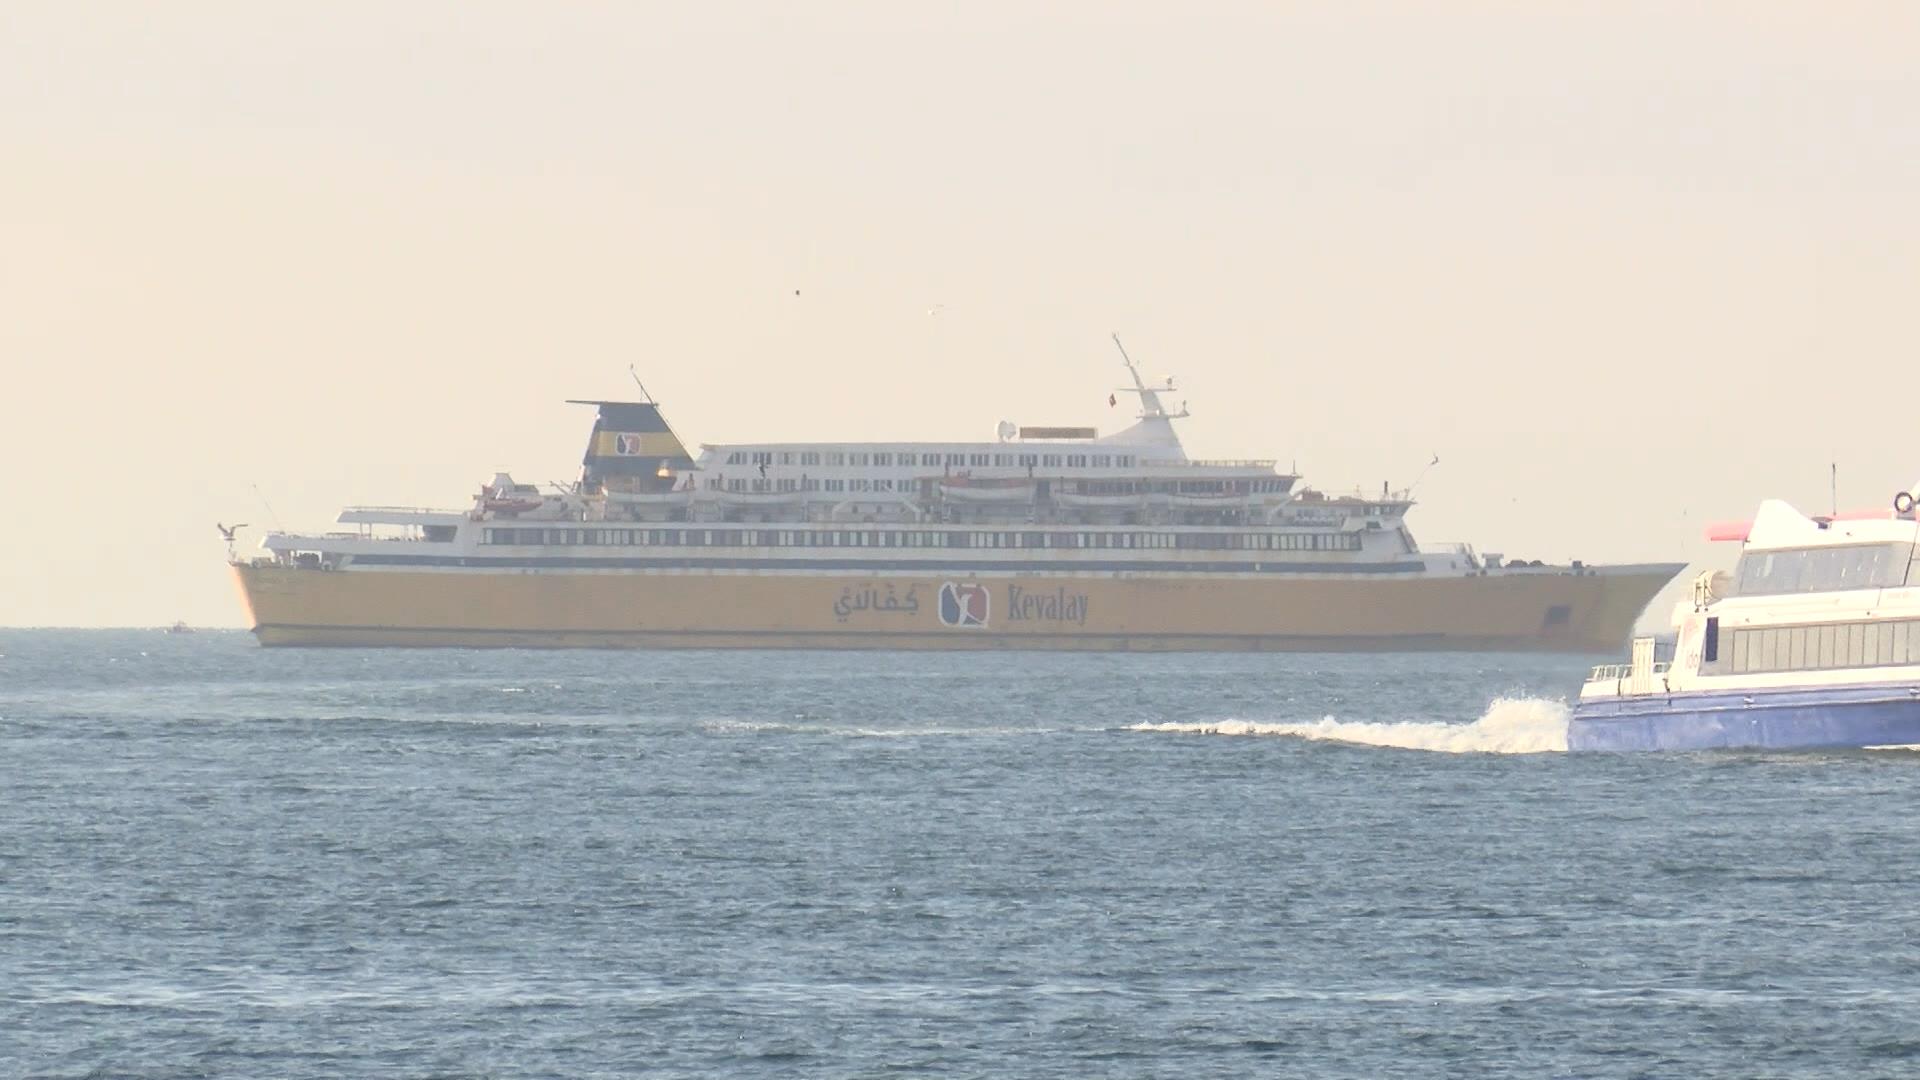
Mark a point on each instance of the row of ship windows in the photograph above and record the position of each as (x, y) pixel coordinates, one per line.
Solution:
(1176, 487)
(891, 458)
(922, 538)
(1823, 569)
(1812, 648)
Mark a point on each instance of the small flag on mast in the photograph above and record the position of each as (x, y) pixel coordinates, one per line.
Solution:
(1112, 401)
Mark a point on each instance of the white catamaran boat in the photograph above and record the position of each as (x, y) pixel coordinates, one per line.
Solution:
(1813, 641)
(1042, 538)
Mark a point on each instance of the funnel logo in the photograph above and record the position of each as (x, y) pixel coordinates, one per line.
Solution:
(626, 445)
(963, 605)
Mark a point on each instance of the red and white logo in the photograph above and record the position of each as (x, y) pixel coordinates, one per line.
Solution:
(964, 605)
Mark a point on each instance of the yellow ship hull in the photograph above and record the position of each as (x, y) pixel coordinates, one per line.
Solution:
(1590, 610)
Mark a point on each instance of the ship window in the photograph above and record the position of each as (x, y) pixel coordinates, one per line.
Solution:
(763, 457)
(1823, 569)
(1710, 647)
(1029, 460)
(1103, 461)
(1051, 461)
(978, 460)
(810, 457)
(1125, 461)
(858, 459)
(1003, 460)
(809, 484)
(738, 457)
(956, 459)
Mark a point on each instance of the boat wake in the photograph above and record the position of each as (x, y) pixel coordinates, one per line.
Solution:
(1509, 726)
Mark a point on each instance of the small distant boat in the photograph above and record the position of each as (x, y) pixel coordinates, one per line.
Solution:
(179, 628)
(1813, 642)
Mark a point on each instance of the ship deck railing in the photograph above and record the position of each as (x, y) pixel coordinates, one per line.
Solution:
(1206, 463)
(1617, 672)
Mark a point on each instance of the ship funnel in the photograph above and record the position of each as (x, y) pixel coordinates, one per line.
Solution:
(632, 449)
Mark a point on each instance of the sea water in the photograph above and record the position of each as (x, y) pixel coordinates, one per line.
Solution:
(219, 860)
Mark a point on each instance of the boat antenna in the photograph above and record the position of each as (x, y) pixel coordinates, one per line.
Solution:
(1423, 475)
(1150, 407)
(275, 518)
(641, 385)
(1833, 486)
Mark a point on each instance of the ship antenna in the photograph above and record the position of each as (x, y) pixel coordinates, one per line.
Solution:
(641, 385)
(1415, 486)
(270, 514)
(1150, 407)
(1833, 486)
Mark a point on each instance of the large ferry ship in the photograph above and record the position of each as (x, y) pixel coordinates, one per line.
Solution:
(1042, 538)
(1812, 641)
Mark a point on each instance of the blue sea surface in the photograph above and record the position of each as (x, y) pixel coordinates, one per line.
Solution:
(220, 860)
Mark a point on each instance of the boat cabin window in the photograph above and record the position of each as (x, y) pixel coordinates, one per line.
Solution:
(1759, 650)
(1823, 569)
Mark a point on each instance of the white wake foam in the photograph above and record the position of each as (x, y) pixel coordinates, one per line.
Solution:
(1509, 726)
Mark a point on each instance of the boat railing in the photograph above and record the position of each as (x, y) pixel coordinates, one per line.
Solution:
(1618, 672)
(1207, 463)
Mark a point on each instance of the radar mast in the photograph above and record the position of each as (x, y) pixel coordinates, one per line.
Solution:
(1150, 407)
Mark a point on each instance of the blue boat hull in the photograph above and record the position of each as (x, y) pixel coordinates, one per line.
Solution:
(1782, 719)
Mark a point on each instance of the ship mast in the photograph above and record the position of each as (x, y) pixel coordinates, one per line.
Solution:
(1150, 407)
(1154, 429)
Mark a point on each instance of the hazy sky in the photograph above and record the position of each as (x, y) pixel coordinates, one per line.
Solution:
(1625, 267)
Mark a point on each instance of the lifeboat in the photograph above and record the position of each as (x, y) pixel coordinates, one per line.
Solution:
(649, 498)
(492, 502)
(756, 498)
(1083, 500)
(969, 490)
(1224, 500)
